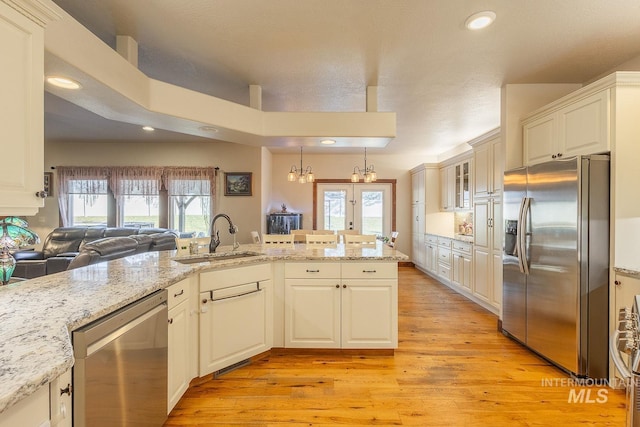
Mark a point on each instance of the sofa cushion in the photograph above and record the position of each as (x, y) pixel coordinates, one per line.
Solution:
(105, 249)
(163, 241)
(28, 255)
(120, 231)
(144, 242)
(63, 239)
(91, 234)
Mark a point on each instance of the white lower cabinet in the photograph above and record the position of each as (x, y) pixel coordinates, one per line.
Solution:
(236, 315)
(60, 399)
(341, 305)
(30, 411)
(179, 374)
(444, 259)
(462, 265)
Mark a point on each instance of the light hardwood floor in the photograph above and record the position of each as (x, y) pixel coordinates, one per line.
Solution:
(452, 368)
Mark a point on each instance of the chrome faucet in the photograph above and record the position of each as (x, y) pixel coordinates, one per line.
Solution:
(215, 234)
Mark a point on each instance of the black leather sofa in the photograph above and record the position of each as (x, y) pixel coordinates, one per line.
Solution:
(63, 244)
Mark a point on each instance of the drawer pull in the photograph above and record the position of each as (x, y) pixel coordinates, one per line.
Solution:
(179, 293)
(313, 271)
(369, 271)
(171, 321)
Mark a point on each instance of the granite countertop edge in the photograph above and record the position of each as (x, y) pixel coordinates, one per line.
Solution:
(627, 270)
(37, 349)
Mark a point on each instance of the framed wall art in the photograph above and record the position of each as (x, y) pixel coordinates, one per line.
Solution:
(48, 183)
(237, 183)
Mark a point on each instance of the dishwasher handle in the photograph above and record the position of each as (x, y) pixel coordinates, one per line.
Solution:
(234, 292)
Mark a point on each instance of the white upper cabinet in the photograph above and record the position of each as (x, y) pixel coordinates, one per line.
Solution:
(417, 187)
(22, 108)
(581, 127)
(488, 169)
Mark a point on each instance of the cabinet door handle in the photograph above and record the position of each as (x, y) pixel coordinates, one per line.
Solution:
(313, 271)
(41, 194)
(344, 286)
(171, 321)
(67, 390)
(559, 155)
(553, 156)
(337, 286)
(618, 282)
(179, 293)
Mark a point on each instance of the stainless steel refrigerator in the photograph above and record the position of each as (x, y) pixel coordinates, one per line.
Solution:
(556, 261)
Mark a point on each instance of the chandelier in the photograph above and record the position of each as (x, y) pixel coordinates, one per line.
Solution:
(301, 175)
(368, 173)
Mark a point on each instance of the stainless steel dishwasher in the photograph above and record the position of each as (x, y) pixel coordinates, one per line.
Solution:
(120, 370)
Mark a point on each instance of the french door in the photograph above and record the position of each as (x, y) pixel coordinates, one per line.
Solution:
(346, 206)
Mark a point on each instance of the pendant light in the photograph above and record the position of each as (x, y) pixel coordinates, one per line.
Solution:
(301, 175)
(368, 173)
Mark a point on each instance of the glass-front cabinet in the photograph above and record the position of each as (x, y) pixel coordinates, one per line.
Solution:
(463, 185)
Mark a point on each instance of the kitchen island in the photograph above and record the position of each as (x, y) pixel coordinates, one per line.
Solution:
(38, 315)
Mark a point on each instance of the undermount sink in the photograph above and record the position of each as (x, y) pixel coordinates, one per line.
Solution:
(216, 257)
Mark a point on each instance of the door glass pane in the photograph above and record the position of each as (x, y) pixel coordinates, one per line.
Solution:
(335, 210)
(190, 214)
(372, 212)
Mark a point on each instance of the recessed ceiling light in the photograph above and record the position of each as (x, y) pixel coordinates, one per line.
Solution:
(328, 141)
(148, 128)
(480, 20)
(208, 129)
(63, 82)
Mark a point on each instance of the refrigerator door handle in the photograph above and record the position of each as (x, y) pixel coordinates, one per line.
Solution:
(526, 204)
(518, 245)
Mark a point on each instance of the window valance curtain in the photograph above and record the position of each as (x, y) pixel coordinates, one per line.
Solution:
(89, 181)
(132, 180)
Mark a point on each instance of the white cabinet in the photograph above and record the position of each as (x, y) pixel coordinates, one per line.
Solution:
(33, 410)
(447, 188)
(431, 253)
(444, 259)
(488, 169)
(60, 400)
(463, 185)
(22, 108)
(417, 253)
(348, 305)
(487, 251)
(417, 187)
(179, 351)
(579, 128)
(462, 264)
(236, 315)
(425, 201)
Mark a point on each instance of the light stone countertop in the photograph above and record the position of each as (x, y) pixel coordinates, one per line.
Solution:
(627, 270)
(37, 315)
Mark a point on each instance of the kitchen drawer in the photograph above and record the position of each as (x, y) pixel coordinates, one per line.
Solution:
(369, 270)
(431, 238)
(462, 247)
(312, 270)
(177, 293)
(444, 257)
(444, 271)
(444, 242)
(218, 279)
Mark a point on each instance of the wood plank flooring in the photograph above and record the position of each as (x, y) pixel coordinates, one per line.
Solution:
(452, 368)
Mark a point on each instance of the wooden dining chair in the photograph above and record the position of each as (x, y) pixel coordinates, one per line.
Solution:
(361, 239)
(341, 234)
(299, 235)
(321, 239)
(323, 232)
(277, 239)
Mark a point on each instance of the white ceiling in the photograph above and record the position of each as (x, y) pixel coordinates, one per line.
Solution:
(442, 81)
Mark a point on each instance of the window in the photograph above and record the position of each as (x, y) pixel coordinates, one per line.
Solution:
(169, 197)
(88, 200)
(189, 192)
